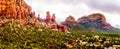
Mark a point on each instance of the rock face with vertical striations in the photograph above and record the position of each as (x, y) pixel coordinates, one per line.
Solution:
(15, 9)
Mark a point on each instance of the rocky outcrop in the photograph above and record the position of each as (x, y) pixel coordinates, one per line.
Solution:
(53, 19)
(48, 17)
(70, 19)
(95, 20)
(15, 9)
(51, 22)
(71, 23)
(92, 17)
(22, 13)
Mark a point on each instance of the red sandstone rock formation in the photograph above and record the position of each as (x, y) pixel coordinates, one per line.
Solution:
(62, 28)
(97, 16)
(22, 21)
(53, 19)
(93, 17)
(19, 14)
(39, 18)
(51, 22)
(33, 15)
(48, 16)
(19, 10)
(94, 21)
(14, 9)
(70, 19)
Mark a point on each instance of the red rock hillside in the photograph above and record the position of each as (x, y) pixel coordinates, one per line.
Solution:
(22, 13)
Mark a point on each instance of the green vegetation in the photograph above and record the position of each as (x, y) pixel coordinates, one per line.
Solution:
(15, 36)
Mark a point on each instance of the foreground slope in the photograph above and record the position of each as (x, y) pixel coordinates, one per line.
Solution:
(16, 36)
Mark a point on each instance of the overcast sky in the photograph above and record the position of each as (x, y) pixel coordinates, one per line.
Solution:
(78, 8)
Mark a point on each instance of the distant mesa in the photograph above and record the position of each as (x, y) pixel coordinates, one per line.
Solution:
(96, 21)
(93, 17)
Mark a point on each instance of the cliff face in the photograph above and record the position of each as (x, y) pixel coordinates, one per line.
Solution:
(93, 17)
(15, 9)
